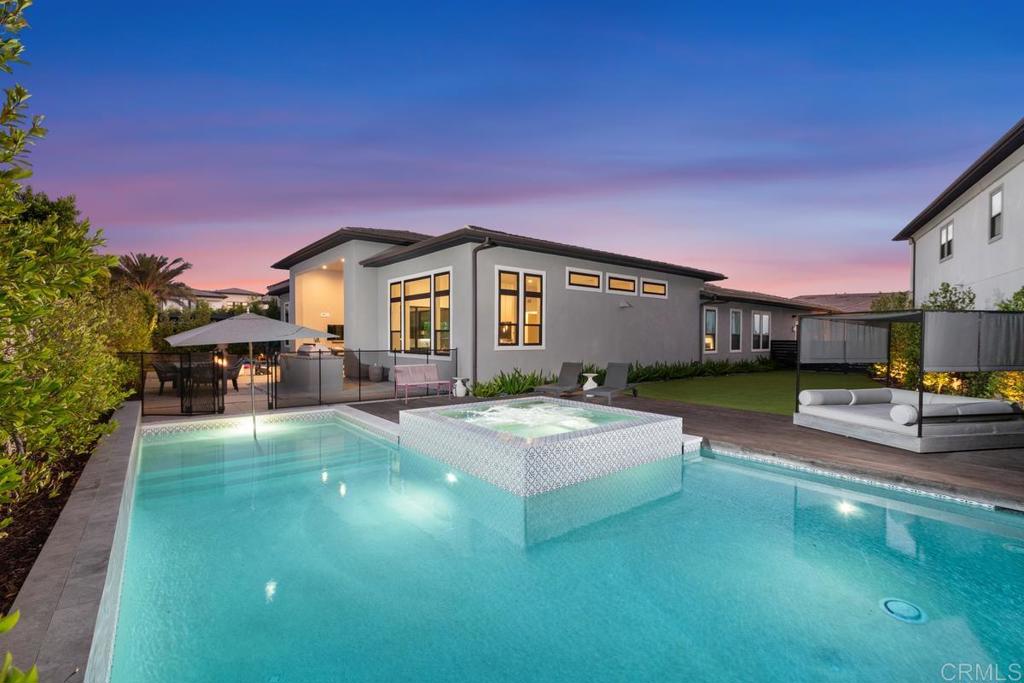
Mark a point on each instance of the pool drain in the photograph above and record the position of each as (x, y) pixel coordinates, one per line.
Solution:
(906, 612)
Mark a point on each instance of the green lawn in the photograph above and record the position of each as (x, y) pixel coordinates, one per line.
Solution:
(765, 392)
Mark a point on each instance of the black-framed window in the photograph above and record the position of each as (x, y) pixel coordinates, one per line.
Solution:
(945, 241)
(508, 308)
(442, 313)
(995, 220)
(416, 314)
(419, 314)
(621, 284)
(583, 279)
(533, 309)
(653, 288)
(395, 316)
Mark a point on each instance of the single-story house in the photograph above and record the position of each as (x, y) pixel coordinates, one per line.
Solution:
(218, 299)
(504, 301)
(844, 302)
(741, 325)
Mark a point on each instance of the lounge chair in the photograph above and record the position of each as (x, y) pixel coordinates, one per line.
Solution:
(568, 381)
(616, 379)
(166, 372)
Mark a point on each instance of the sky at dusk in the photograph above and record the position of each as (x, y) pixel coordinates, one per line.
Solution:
(783, 148)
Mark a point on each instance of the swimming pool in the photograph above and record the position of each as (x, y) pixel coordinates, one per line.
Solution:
(323, 554)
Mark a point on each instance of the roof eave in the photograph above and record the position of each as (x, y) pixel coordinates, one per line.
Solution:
(982, 166)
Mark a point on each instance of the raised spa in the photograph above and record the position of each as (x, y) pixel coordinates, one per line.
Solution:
(532, 445)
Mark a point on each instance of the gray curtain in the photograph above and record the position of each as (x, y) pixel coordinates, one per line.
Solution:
(824, 340)
(972, 341)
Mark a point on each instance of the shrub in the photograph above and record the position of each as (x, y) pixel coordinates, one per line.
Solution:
(519, 382)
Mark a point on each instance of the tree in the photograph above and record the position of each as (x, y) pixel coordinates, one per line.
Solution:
(1009, 385)
(950, 298)
(155, 274)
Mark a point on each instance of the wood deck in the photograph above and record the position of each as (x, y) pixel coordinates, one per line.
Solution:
(995, 476)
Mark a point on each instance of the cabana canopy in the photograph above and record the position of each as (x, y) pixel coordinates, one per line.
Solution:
(951, 341)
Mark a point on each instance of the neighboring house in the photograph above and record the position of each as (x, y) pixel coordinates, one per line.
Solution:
(741, 325)
(844, 302)
(219, 299)
(279, 291)
(972, 234)
(502, 300)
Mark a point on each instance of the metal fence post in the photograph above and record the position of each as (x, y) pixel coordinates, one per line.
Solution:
(359, 375)
(319, 377)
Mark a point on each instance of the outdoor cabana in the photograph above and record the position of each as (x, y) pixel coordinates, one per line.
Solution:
(950, 341)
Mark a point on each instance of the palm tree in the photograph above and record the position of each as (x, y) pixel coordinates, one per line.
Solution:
(154, 274)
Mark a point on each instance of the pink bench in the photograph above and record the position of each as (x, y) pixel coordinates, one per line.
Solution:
(419, 376)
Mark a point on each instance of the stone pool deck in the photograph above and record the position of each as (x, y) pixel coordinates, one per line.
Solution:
(993, 476)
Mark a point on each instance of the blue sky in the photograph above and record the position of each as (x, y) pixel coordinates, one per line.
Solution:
(781, 147)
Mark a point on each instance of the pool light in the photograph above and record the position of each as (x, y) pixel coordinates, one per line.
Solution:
(846, 509)
(451, 478)
(342, 489)
(270, 590)
(323, 476)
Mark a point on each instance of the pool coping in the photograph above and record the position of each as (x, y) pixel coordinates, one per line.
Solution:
(854, 476)
(60, 599)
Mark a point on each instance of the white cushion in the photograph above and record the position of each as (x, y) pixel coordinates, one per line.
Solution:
(825, 397)
(865, 396)
(903, 414)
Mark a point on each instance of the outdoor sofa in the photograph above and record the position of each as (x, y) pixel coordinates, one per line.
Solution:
(890, 417)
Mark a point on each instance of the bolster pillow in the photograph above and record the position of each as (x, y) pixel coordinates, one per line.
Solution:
(825, 397)
(866, 396)
(903, 414)
(984, 408)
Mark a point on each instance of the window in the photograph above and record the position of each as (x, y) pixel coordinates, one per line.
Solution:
(710, 330)
(761, 339)
(419, 313)
(520, 311)
(995, 221)
(576, 278)
(655, 288)
(946, 242)
(533, 309)
(395, 316)
(621, 284)
(442, 313)
(508, 308)
(735, 329)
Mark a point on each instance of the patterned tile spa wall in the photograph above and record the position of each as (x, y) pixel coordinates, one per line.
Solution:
(528, 466)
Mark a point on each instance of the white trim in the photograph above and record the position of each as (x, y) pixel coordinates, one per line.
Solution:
(704, 329)
(769, 317)
(522, 308)
(387, 310)
(645, 280)
(740, 311)
(584, 271)
(620, 276)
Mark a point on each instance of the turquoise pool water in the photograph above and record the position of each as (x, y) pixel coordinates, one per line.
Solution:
(532, 419)
(325, 555)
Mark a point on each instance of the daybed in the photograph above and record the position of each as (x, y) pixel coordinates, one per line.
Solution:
(889, 416)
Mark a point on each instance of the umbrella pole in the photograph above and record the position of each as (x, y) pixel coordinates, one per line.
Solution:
(252, 390)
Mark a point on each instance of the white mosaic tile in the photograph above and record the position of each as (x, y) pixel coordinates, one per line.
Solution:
(529, 466)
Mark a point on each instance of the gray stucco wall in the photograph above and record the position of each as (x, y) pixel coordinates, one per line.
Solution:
(589, 326)
(783, 321)
(994, 270)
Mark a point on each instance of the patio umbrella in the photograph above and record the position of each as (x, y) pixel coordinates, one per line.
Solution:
(247, 327)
